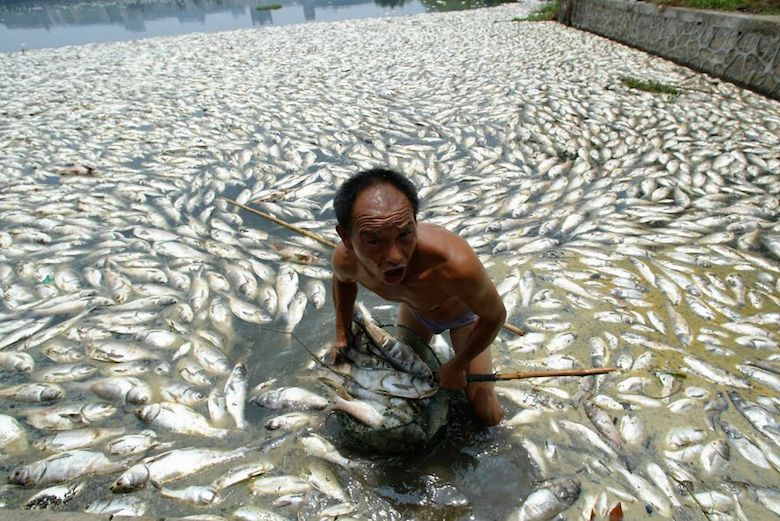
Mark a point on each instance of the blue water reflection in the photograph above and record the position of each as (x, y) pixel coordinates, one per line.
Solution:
(31, 24)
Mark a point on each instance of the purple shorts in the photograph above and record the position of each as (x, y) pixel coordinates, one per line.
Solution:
(440, 326)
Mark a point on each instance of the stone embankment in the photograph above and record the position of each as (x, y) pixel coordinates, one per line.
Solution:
(744, 49)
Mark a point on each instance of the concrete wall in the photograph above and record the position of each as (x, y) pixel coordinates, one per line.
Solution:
(744, 49)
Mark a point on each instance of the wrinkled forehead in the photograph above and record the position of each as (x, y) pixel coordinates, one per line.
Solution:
(381, 206)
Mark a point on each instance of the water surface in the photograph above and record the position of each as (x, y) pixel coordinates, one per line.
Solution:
(38, 24)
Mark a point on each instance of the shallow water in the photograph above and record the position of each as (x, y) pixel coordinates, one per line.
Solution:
(509, 129)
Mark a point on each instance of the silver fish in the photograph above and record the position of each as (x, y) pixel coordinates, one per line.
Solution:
(286, 287)
(318, 446)
(315, 290)
(171, 466)
(33, 392)
(135, 443)
(126, 389)
(253, 513)
(241, 473)
(235, 394)
(54, 497)
(290, 398)
(178, 418)
(131, 506)
(290, 318)
(549, 500)
(604, 425)
(68, 416)
(758, 417)
(647, 492)
(400, 355)
(16, 361)
(198, 495)
(13, 437)
(246, 311)
(64, 466)
(75, 439)
(181, 392)
(291, 420)
(279, 485)
(714, 374)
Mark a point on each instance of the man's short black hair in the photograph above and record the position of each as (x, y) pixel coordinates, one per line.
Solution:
(352, 187)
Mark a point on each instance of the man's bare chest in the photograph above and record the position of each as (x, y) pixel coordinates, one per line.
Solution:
(427, 295)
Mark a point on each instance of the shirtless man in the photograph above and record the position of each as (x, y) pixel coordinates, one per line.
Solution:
(434, 274)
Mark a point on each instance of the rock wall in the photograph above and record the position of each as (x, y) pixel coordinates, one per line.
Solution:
(744, 49)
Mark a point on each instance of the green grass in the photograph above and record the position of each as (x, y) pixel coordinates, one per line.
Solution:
(649, 86)
(268, 7)
(545, 14)
(744, 6)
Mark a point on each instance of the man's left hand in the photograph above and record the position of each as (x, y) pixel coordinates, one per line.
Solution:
(452, 375)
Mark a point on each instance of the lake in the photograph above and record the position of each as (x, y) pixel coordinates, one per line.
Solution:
(39, 24)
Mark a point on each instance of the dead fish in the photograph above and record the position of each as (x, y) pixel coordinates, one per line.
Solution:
(64, 466)
(172, 465)
(549, 500)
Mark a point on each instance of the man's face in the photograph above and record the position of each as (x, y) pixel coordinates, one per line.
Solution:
(384, 232)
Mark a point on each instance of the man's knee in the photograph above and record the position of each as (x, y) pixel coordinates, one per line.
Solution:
(485, 404)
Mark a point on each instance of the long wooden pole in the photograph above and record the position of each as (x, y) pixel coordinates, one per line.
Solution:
(497, 377)
(280, 222)
(514, 329)
(509, 327)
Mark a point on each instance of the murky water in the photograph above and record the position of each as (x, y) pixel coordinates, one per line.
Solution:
(618, 213)
(26, 24)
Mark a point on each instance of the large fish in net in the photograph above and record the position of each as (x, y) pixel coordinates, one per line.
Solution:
(392, 369)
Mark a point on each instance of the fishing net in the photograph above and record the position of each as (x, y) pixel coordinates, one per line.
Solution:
(422, 432)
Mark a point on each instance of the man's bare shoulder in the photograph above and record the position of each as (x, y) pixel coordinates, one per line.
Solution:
(344, 263)
(460, 259)
(440, 236)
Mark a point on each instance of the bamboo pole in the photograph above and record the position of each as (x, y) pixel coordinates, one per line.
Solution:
(496, 377)
(514, 329)
(509, 327)
(280, 222)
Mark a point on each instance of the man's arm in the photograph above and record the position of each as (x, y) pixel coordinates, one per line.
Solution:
(344, 295)
(478, 293)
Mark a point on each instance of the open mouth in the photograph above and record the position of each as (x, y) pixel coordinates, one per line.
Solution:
(394, 275)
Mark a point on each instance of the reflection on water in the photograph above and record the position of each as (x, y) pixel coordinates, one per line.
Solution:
(36, 24)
